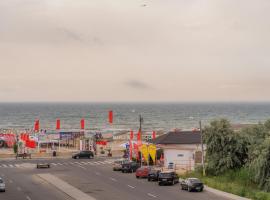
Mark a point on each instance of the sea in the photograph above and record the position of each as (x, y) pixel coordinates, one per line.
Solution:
(156, 116)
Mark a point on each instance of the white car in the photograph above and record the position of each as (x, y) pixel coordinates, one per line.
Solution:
(2, 185)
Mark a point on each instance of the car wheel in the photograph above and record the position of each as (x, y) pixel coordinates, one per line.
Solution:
(137, 176)
(159, 184)
(149, 179)
(201, 189)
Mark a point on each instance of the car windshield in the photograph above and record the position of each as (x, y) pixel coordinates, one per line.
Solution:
(194, 180)
(165, 175)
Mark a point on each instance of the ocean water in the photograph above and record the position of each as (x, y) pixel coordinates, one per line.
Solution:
(157, 116)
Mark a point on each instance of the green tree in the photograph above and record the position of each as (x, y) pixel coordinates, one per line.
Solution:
(226, 149)
(15, 148)
(260, 166)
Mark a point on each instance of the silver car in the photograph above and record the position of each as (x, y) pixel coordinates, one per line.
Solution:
(2, 185)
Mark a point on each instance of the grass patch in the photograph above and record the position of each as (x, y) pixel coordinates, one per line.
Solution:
(236, 182)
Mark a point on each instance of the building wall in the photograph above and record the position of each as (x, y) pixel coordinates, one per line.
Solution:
(182, 156)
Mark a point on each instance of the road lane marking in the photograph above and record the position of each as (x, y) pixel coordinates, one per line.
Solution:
(4, 165)
(97, 163)
(90, 163)
(131, 186)
(113, 179)
(28, 198)
(54, 164)
(68, 189)
(151, 195)
(81, 167)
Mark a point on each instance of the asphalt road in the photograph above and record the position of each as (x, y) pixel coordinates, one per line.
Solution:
(93, 177)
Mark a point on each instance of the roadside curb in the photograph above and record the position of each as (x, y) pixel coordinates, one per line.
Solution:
(224, 194)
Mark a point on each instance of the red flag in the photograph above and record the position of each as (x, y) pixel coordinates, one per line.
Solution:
(110, 116)
(36, 127)
(139, 139)
(154, 135)
(82, 123)
(30, 144)
(131, 135)
(58, 124)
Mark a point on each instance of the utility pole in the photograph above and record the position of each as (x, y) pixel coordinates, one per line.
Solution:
(140, 131)
(203, 165)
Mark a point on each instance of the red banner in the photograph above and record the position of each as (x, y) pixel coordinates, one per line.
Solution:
(82, 123)
(9, 138)
(139, 138)
(58, 124)
(110, 116)
(36, 126)
(104, 143)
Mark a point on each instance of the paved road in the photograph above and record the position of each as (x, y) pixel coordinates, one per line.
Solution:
(93, 177)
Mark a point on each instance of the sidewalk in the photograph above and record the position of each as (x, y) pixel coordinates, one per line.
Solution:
(224, 194)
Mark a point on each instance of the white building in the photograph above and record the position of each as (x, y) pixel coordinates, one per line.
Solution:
(182, 149)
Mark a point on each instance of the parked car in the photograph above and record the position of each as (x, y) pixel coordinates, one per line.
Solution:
(117, 165)
(153, 174)
(43, 165)
(166, 178)
(2, 185)
(83, 154)
(142, 172)
(130, 167)
(190, 184)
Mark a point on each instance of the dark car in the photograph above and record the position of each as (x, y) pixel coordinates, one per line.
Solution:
(43, 165)
(130, 167)
(2, 185)
(153, 174)
(83, 154)
(167, 178)
(142, 172)
(191, 184)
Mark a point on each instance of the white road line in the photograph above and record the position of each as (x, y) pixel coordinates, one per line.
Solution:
(54, 164)
(81, 167)
(151, 195)
(28, 198)
(84, 163)
(19, 189)
(113, 179)
(72, 163)
(96, 163)
(11, 166)
(59, 164)
(90, 163)
(131, 186)
(109, 162)
(4, 165)
(102, 163)
(18, 166)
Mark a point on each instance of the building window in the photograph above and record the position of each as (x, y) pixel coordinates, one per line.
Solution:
(180, 155)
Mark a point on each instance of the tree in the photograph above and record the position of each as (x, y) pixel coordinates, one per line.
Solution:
(226, 149)
(260, 166)
(15, 148)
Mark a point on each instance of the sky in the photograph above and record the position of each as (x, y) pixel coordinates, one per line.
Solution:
(134, 50)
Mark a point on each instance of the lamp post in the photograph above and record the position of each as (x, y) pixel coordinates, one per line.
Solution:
(203, 165)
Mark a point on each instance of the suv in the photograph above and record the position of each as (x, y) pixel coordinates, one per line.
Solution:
(2, 185)
(83, 154)
(153, 174)
(165, 178)
(130, 167)
(117, 165)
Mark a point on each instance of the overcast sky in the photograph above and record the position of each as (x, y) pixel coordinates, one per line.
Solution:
(134, 50)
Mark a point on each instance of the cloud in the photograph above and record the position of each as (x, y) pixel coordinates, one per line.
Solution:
(138, 85)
